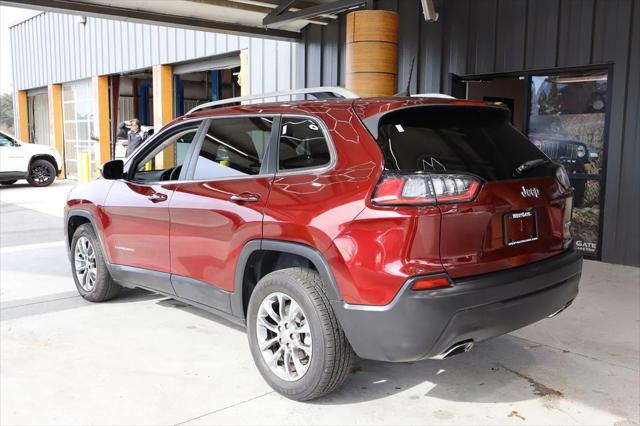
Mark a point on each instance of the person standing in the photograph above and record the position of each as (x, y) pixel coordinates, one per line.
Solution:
(131, 130)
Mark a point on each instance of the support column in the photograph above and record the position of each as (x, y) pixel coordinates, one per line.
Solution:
(162, 95)
(56, 137)
(243, 76)
(372, 52)
(163, 107)
(22, 128)
(101, 126)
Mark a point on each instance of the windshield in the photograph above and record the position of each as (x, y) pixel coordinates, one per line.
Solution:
(476, 140)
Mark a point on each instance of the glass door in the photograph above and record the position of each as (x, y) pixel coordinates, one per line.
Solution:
(567, 120)
(77, 112)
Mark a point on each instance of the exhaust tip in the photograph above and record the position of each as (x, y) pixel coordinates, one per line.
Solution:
(561, 309)
(457, 349)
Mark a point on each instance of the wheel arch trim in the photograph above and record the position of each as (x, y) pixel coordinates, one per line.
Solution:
(87, 215)
(314, 256)
(48, 157)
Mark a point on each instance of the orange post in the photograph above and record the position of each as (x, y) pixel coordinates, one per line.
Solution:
(162, 95)
(163, 108)
(22, 130)
(101, 127)
(55, 119)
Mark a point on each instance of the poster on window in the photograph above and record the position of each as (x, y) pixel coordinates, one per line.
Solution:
(567, 122)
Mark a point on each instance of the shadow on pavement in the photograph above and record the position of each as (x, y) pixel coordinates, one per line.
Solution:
(64, 301)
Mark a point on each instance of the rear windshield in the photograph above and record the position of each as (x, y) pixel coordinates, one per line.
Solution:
(477, 140)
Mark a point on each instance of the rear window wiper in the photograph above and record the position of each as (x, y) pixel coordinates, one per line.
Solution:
(531, 164)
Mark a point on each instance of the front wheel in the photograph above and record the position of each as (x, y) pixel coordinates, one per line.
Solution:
(92, 278)
(41, 173)
(294, 335)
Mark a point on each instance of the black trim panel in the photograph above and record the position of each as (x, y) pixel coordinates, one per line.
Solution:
(130, 276)
(13, 175)
(423, 324)
(201, 292)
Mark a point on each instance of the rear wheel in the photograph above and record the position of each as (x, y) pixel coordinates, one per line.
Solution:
(8, 182)
(89, 268)
(41, 173)
(294, 336)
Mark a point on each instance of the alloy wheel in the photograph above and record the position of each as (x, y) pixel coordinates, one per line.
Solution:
(40, 174)
(85, 264)
(284, 336)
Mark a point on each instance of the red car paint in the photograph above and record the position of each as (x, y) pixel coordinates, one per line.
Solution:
(194, 230)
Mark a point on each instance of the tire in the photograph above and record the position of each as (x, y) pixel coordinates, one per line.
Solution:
(8, 182)
(102, 287)
(41, 173)
(331, 356)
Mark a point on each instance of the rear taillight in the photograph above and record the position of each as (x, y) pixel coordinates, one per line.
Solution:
(421, 189)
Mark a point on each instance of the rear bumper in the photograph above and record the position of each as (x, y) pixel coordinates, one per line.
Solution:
(418, 325)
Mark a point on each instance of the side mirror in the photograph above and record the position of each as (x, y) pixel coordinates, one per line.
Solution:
(113, 169)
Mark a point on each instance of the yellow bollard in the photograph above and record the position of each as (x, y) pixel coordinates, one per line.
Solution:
(84, 168)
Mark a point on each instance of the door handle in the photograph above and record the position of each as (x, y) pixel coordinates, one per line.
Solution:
(245, 197)
(157, 197)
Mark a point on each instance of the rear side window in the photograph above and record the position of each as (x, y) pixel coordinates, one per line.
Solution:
(480, 141)
(233, 147)
(302, 144)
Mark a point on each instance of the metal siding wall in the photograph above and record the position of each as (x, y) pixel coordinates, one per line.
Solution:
(314, 56)
(611, 43)
(510, 45)
(270, 67)
(492, 36)
(542, 33)
(330, 54)
(408, 43)
(482, 36)
(576, 29)
(63, 50)
(627, 220)
(256, 66)
(430, 56)
(456, 22)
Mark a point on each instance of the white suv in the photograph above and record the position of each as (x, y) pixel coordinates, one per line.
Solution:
(38, 164)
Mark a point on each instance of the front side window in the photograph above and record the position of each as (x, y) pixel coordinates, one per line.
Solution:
(165, 161)
(302, 145)
(233, 147)
(5, 141)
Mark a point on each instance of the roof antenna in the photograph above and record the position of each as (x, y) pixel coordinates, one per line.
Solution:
(407, 91)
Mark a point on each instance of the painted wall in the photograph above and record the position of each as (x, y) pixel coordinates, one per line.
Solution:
(492, 36)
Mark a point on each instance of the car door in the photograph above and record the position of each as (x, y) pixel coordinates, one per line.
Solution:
(137, 208)
(221, 208)
(11, 155)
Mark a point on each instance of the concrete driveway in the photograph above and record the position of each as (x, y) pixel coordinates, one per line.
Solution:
(146, 359)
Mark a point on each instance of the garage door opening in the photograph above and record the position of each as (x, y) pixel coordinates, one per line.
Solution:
(206, 80)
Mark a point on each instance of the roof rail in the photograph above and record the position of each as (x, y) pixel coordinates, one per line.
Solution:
(432, 95)
(335, 92)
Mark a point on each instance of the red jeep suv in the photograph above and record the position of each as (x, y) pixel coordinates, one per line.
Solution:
(396, 229)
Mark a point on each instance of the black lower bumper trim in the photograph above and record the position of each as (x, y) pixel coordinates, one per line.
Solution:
(418, 325)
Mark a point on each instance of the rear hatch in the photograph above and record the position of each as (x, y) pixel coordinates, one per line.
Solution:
(503, 202)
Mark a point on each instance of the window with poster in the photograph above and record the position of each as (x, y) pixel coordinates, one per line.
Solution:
(567, 121)
(565, 113)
